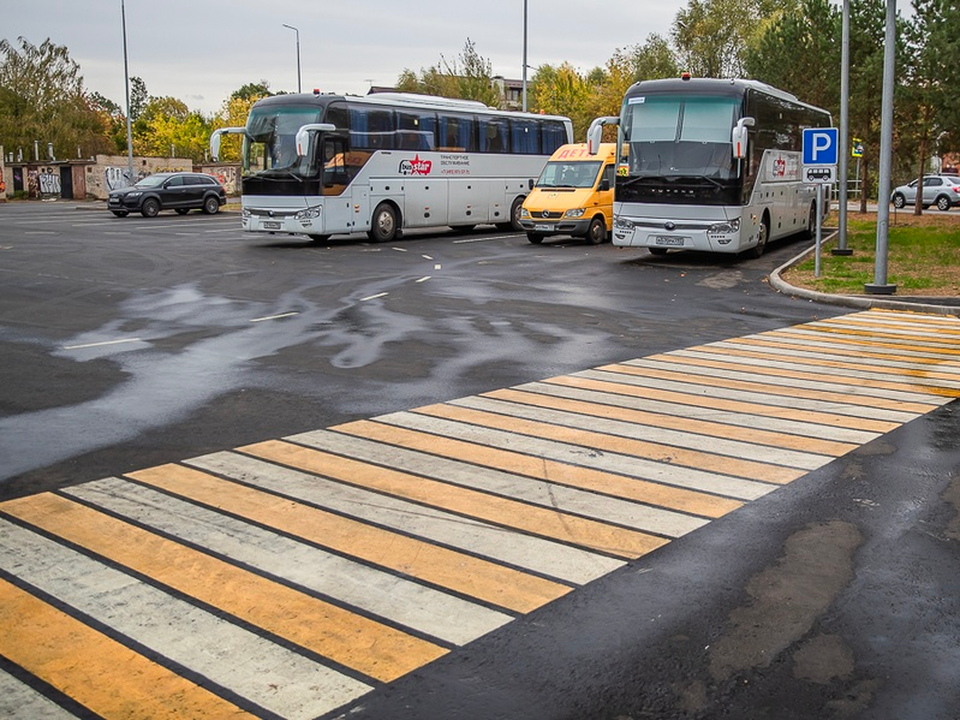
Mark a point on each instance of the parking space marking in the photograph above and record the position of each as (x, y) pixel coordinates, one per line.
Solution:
(337, 560)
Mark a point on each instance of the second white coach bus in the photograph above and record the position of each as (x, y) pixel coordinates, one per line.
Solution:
(319, 164)
(711, 165)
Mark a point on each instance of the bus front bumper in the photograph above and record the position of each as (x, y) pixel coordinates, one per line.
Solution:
(722, 236)
(286, 220)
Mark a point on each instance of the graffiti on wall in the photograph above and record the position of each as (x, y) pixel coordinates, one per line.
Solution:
(49, 183)
(116, 178)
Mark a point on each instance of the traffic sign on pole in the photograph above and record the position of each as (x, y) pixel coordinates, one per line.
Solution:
(820, 146)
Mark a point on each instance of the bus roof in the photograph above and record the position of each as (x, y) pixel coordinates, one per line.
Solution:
(397, 99)
(713, 86)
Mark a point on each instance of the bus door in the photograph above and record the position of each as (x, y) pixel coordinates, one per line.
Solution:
(335, 176)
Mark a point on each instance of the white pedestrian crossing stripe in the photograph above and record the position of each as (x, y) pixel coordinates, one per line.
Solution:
(287, 578)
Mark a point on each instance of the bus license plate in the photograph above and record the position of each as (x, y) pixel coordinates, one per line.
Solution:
(669, 240)
(271, 226)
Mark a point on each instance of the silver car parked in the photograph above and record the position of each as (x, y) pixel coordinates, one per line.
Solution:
(940, 190)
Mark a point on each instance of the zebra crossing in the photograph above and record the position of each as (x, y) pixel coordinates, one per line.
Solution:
(287, 578)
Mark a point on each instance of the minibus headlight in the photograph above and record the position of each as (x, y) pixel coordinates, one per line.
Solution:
(574, 213)
(524, 213)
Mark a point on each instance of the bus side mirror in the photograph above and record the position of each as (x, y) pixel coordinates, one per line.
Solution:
(303, 135)
(604, 185)
(595, 132)
(215, 139)
(739, 137)
(530, 183)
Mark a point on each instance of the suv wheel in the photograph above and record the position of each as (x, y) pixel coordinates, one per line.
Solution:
(943, 203)
(211, 205)
(899, 201)
(150, 207)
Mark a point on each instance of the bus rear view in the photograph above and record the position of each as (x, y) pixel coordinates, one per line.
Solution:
(711, 165)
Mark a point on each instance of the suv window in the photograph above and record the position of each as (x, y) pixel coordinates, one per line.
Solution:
(174, 182)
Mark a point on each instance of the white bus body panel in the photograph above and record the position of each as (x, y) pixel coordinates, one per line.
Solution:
(430, 189)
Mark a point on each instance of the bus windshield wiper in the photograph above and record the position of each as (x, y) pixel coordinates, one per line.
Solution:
(273, 173)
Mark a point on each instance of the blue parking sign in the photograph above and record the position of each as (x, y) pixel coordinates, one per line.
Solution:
(820, 146)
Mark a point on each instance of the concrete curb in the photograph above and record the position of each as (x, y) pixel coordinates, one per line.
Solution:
(914, 303)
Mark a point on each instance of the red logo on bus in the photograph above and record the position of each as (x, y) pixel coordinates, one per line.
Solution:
(415, 166)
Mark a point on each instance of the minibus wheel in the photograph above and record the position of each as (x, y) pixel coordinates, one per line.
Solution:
(597, 232)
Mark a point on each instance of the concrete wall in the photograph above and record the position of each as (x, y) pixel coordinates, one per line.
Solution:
(110, 172)
(94, 179)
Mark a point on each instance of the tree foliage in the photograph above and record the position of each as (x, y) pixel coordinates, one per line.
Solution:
(42, 100)
(469, 77)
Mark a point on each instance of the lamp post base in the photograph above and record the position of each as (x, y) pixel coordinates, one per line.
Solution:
(874, 289)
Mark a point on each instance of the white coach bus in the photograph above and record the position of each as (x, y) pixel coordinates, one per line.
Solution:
(319, 164)
(710, 165)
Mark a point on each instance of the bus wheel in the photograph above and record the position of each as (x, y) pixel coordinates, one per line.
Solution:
(597, 231)
(534, 238)
(762, 236)
(514, 223)
(657, 251)
(383, 228)
(812, 221)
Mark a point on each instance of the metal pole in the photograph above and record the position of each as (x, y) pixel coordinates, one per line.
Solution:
(880, 285)
(291, 27)
(126, 77)
(844, 148)
(524, 55)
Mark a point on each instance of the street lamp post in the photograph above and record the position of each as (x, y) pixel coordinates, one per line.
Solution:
(291, 27)
(524, 55)
(126, 78)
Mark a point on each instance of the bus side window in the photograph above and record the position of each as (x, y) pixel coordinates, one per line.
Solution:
(553, 135)
(525, 137)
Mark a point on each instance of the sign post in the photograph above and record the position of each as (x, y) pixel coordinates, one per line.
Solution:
(820, 151)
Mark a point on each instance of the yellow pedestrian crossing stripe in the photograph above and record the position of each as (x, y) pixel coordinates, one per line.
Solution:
(286, 578)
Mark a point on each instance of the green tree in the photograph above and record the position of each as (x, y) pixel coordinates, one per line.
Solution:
(812, 33)
(563, 91)
(928, 116)
(138, 97)
(470, 77)
(42, 99)
(712, 36)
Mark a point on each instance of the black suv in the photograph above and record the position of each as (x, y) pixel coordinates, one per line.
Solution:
(181, 191)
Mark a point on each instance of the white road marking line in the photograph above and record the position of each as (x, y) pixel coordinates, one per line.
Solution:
(274, 317)
(100, 344)
(373, 297)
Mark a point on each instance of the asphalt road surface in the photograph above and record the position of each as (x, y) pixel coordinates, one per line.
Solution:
(462, 476)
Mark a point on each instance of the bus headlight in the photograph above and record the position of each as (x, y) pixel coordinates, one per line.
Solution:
(725, 228)
(246, 212)
(622, 224)
(309, 214)
(574, 213)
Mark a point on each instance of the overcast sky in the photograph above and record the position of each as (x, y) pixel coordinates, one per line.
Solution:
(200, 51)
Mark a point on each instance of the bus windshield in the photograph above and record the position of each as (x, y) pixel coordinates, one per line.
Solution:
(687, 136)
(270, 142)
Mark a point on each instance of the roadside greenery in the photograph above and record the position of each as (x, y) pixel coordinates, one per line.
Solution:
(923, 258)
(791, 44)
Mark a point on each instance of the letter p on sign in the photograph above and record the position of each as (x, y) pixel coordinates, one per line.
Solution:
(820, 146)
